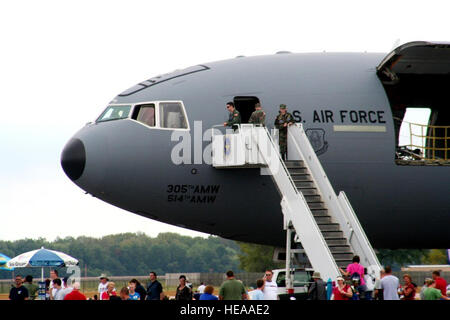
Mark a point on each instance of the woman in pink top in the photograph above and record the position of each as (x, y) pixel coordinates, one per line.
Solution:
(355, 267)
(355, 271)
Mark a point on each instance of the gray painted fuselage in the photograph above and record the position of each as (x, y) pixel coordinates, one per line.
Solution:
(129, 165)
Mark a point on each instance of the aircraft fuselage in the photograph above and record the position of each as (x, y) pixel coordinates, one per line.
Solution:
(129, 165)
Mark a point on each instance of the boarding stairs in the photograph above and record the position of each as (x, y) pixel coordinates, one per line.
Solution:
(323, 222)
(331, 231)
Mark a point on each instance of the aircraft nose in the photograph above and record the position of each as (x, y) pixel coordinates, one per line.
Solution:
(73, 159)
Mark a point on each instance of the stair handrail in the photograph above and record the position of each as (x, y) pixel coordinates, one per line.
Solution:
(281, 162)
(360, 238)
(339, 208)
(295, 207)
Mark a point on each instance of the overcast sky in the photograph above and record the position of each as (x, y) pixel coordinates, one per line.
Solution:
(61, 62)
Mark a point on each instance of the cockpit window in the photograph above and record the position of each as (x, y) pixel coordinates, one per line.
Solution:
(145, 113)
(154, 114)
(115, 113)
(171, 115)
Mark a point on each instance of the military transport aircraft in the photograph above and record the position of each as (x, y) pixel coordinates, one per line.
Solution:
(351, 105)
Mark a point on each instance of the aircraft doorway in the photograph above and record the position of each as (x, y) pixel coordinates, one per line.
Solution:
(416, 78)
(245, 105)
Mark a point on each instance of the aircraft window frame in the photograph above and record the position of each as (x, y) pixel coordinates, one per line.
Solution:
(157, 114)
(99, 120)
(137, 112)
(165, 104)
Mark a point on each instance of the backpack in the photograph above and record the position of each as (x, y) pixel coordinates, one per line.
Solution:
(355, 277)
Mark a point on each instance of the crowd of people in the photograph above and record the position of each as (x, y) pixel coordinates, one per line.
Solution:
(354, 284)
(55, 288)
(362, 286)
(231, 289)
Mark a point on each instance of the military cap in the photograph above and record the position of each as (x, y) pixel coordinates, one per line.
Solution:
(258, 105)
(282, 106)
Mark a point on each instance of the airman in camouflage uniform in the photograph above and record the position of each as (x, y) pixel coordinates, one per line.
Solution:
(234, 118)
(258, 116)
(282, 121)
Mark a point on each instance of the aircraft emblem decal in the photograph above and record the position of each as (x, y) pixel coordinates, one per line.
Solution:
(227, 146)
(317, 139)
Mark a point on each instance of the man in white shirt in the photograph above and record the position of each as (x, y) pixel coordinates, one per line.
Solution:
(201, 288)
(258, 293)
(103, 285)
(53, 275)
(270, 287)
(370, 285)
(58, 293)
(378, 291)
(390, 285)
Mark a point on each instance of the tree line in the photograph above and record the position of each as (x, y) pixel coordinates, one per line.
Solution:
(136, 254)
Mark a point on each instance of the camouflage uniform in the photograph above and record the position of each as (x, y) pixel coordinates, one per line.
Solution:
(258, 117)
(234, 119)
(280, 120)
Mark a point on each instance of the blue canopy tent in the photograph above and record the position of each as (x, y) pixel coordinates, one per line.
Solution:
(42, 258)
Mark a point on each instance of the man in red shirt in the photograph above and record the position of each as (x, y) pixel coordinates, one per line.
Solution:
(75, 294)
(441, 284)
